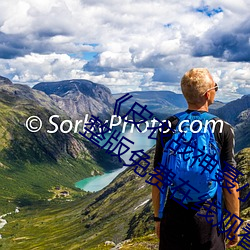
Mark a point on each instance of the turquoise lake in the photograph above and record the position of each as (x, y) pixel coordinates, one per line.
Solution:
(97, 183)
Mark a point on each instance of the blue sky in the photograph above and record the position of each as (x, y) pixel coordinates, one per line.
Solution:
(126, 45)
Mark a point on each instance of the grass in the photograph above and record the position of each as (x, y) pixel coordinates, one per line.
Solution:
(51, 225)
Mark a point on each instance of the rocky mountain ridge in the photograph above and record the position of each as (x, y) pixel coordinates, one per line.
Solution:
(79, 97)
(162, 103)
(237, 114)
(231, 111)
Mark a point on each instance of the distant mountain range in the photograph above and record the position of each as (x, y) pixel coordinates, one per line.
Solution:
(231, 111)
(79, 97)
(158, 102)
(162, 103)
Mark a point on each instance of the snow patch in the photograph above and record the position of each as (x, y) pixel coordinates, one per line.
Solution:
(141, 187)
(2, 223)
(143, 203)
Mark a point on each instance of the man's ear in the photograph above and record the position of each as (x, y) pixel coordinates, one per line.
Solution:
(207, 95)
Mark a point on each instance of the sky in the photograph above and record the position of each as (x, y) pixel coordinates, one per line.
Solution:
(127, 45)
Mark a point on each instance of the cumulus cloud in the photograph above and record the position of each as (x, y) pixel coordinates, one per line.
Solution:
(140, 45)
(34, 68)
(231, 45)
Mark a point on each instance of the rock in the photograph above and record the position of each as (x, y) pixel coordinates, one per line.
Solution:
(109, 243)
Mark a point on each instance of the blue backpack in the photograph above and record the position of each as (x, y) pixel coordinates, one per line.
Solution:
(193, 157)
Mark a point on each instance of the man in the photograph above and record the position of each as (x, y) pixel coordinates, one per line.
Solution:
(181, 228)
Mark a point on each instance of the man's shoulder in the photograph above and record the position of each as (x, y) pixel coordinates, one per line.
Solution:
(173, 120)
(220, 125)
(227, 127)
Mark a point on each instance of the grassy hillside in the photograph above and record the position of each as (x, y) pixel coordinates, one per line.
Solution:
(31, 164)
(122, 213)
(84, 222)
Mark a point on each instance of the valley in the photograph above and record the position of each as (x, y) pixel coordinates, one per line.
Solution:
(38, 171)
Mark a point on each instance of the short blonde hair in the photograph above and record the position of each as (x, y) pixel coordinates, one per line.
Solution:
(195, 83)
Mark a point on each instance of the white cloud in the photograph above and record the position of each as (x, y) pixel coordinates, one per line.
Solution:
(141, 44)
(35, 68)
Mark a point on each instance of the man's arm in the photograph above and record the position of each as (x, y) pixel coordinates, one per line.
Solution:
(233, 206)
(232, 202)
(157, 159)
(155, 189)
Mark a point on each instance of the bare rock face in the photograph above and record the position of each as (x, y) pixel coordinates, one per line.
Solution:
(232, 110)
(4, 80)
(237, 113)
(79, 97)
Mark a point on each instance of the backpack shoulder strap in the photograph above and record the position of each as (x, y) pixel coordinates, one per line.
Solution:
(181, 115)
(208, 116)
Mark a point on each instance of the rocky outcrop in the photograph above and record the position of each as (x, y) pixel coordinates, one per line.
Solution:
(232, 110)
(19, 102)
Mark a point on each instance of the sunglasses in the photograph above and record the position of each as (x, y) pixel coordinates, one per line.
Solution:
(216, 87)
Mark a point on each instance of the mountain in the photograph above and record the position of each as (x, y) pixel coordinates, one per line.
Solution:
(161, 103)
(79, 97)
(31, 164)
(216, 105)
(243, 165)
(4, 80)
(242, 130)
(232, 110)
(237, 114)
(119, 213)
(36, 169)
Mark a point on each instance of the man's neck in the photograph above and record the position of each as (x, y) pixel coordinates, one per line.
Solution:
(198, 107)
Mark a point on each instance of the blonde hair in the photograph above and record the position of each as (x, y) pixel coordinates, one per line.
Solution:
(195, 83)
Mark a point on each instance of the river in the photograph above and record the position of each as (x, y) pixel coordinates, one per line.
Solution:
(97, 183)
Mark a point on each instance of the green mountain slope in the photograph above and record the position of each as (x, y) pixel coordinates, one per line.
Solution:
(123, 210)
(82, 223)
(33, 163)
